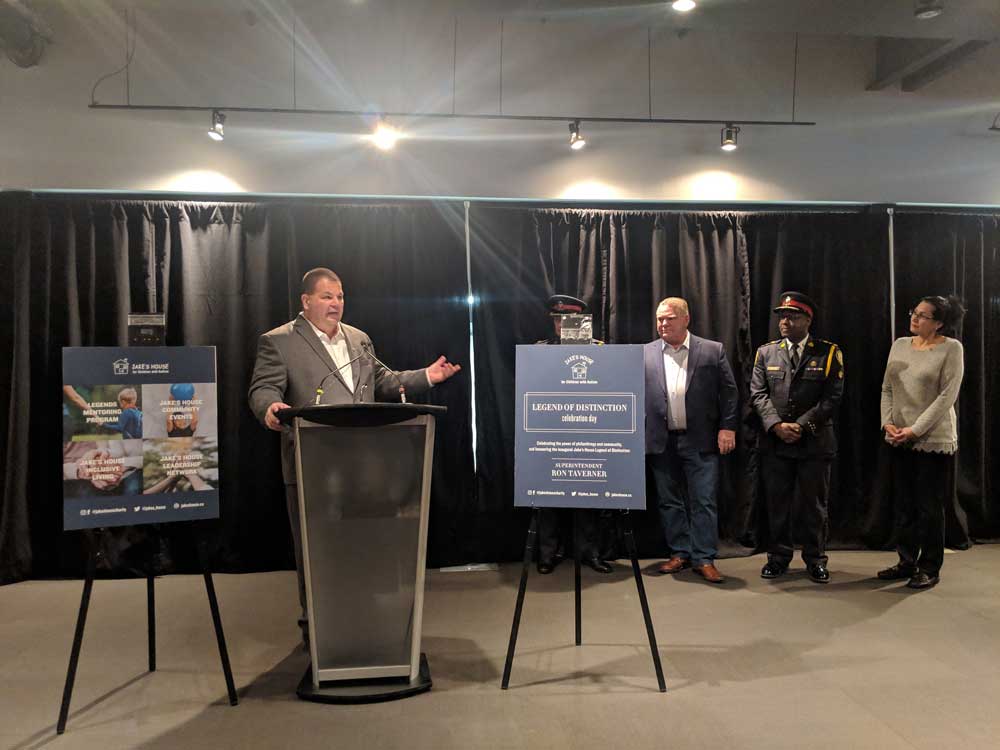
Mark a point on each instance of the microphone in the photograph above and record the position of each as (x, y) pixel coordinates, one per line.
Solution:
(319, 388)
(367, 347)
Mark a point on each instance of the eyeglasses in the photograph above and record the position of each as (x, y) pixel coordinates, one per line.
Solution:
(922, 316)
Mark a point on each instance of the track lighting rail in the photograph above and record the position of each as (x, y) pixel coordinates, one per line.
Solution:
(451, 116)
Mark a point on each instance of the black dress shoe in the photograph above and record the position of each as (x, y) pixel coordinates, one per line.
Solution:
(596, 563)
(819, 573)
(773, 570)
(546, 566)
(897, 572)
(921, 580)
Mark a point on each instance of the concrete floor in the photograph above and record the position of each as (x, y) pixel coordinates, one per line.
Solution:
(751, 664)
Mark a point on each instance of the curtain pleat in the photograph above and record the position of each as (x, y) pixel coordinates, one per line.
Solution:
(72, 268)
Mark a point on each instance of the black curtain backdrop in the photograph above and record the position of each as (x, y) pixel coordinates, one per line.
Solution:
(730, 267)
(622, 263)
(841, 260)
(951, 253)
(72, 267)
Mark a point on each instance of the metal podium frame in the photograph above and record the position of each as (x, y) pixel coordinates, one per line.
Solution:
(330, 682)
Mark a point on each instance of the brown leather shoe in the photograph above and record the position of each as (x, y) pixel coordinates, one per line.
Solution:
(673, 565)
(710, 573)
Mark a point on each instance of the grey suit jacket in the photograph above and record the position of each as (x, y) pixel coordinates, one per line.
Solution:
(291, 364)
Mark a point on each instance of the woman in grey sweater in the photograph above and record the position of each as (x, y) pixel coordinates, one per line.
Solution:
(919, 391)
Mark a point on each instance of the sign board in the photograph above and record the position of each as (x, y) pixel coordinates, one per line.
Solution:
(140, 435)
(580, 437)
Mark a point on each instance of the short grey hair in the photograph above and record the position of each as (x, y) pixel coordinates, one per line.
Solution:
(678, 303)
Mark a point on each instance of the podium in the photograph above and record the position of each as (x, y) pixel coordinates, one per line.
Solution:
(364, 478)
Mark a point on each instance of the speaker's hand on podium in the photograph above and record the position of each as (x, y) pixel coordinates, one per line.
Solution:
(272, 421)
(441, 369)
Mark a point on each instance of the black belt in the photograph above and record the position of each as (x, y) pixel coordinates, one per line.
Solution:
(676, 432)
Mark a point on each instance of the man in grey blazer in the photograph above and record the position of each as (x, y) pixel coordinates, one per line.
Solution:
(318, 354)
(691, 417)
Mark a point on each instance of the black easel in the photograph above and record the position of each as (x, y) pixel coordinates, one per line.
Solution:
(529, 549)
(81, 621)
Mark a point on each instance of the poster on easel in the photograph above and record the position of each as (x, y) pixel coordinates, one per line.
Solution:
(140, 435)
(580, 417)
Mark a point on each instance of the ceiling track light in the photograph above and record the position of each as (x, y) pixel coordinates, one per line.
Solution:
(924, 10)
(576, 141)
(683, 6)
(218, 125)
(730, 135)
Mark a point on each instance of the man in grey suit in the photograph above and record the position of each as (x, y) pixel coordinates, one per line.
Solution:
(691, 417)
(318, 355)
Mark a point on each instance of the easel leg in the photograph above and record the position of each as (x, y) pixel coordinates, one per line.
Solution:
(529, 549)
(578, 602)
(81, 621)
(151, 620)
(630, 543)
(220, 636)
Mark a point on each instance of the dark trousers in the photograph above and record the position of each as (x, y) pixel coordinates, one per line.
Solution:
(292, 504)
(796, 492)
(921, 484)
(555, 532)
(686, 484)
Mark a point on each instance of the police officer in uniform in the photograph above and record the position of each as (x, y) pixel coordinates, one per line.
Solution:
(555, 525)
(796, 388)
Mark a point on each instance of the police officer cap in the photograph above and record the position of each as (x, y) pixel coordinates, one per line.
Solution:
(796, 301)
(563, 304)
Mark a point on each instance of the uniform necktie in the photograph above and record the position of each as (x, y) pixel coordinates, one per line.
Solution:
(795, 356)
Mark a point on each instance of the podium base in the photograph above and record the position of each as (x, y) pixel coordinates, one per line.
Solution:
(365, 691)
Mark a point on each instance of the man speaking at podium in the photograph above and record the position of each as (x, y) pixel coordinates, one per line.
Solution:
(316, 358)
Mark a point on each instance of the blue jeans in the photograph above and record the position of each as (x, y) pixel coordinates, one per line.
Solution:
(689, 518)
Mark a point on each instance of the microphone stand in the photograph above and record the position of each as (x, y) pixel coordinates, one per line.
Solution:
(319, 388)
(402, 390)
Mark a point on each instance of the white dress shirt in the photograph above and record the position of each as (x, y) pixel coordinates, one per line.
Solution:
(337, 349)
(675, 364)
(801, 345)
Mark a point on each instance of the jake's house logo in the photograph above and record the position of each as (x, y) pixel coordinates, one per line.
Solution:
(120, 366)
(578, 364)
